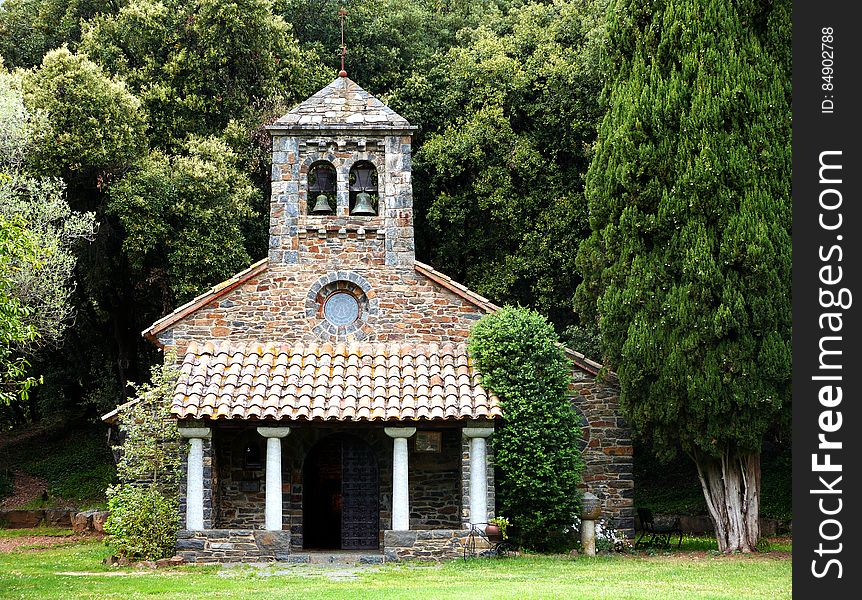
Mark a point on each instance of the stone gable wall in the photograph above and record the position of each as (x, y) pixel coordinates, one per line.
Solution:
(272, 307)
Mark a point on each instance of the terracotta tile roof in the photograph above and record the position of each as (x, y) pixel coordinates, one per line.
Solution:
(342, 104)
(356, 382)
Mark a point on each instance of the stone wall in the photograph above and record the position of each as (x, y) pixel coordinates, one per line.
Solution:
(438, 544)
(435, 483)
(292, 158)
(608, 467)
(232, 545)
(271, 307)
(242, 492)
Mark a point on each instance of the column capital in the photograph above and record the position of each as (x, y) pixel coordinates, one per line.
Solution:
(273, 432)
(399, 432)
(195, 432)
(478, 432)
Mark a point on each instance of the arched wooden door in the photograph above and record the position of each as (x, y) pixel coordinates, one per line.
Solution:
(341, 495)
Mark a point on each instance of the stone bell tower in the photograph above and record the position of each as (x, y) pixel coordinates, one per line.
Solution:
(341, 182)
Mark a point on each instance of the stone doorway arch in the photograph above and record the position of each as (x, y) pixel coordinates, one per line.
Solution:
(341, 492)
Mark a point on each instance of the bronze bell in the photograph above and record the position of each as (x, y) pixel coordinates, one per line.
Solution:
(363, 206)
(321, 206)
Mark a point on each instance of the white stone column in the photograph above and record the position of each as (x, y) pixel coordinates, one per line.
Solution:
(273, 435)
(478, 473)
(195, 476)
(400, 477)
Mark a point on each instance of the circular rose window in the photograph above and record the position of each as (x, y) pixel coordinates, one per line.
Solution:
(341, 309)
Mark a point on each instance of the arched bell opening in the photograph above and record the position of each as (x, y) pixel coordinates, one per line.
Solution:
(321, 188)
(340, 504)
(364, 200)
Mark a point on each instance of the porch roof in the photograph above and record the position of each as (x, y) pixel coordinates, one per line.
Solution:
(355, 382)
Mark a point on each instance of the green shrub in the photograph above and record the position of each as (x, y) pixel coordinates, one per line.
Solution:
(145, 505)
(143, 523)
(536, 451)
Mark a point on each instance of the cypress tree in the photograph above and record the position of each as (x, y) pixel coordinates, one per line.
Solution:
(688, 266)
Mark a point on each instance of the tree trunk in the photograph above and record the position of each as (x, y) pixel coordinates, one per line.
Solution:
(731, 486)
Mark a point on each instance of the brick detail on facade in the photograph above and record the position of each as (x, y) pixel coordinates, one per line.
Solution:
(608, 462)
(271, 307)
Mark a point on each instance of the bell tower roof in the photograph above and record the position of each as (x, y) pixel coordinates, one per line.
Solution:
(342, 105)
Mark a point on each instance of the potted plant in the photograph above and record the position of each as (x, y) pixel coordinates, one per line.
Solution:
(496, 529)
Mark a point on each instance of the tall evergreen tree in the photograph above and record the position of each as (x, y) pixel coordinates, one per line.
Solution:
(688, 266)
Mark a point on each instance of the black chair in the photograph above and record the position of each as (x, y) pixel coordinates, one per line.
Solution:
(659, 534)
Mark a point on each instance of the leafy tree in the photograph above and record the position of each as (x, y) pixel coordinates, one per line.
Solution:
(536, 453)
(39, 203)
(17, 251)
(689, 263)
(512, 113)
(96, 125)
(39, 231)
(197, 66)
(30, 28)
(386, 39)
(182, 217)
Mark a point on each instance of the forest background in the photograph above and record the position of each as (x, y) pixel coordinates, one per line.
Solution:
(138, 127)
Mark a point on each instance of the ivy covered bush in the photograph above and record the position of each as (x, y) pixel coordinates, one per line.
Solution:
(520, 359)
(144, 506)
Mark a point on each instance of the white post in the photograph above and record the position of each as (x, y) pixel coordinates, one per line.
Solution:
(195, 476)
(478, 473)
(400, 477)
(273, 435)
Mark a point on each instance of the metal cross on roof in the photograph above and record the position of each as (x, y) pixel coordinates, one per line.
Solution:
(341, 14)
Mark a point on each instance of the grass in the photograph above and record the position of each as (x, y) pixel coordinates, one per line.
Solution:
(75, 571)
(47, 531)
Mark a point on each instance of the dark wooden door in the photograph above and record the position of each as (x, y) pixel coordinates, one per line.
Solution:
(360, 494)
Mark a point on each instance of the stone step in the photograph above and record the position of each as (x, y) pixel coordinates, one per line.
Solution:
(336, 558)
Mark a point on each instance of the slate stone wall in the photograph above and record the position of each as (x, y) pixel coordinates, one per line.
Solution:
(232, 545)
(293, 156)
(241, 485)
(438, 544)
(274, 307)
(435, 484)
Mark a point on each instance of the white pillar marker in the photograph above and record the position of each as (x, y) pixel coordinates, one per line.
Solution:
(195, 476)
(400, 477)
(478, 473)
(273, 516)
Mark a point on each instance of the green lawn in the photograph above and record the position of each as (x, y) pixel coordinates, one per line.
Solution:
(75, 571)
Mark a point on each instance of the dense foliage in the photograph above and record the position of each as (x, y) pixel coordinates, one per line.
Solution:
(150, 115)
(37, 231)
(153, 114)
(145, 504)
(688, 267)
(536, 447)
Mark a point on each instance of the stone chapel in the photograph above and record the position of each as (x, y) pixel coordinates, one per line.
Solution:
(326, 391)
